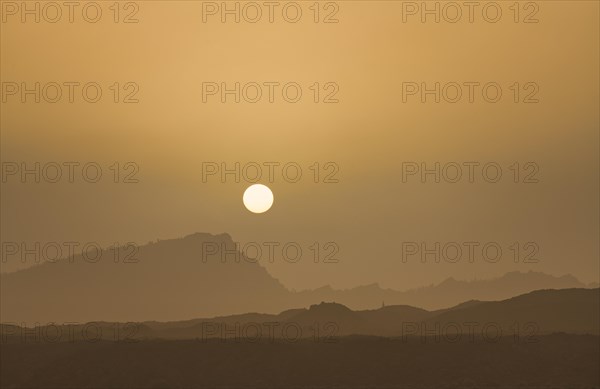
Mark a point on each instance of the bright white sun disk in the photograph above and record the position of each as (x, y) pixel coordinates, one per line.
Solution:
(258, 198)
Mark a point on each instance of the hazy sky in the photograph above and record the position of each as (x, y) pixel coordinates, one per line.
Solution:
(370, 134)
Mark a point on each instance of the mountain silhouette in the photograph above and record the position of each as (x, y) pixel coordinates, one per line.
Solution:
(175, 280)
(541, 311)
(533, 314)
(169, 281)
(529, 316)
(447, 293)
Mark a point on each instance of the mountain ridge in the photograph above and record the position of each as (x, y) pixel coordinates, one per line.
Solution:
(74, 290)
(533, 314)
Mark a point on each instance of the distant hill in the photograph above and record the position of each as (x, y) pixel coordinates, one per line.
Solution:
(172, 280)
(541, 311)
(526, 316)
(529, 315)
(446, 293)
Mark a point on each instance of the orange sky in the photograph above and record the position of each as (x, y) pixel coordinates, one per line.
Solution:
(368, 134)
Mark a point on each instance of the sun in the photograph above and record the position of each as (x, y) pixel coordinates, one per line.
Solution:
(258, 198)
